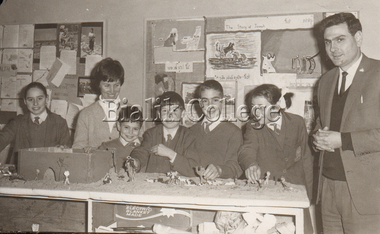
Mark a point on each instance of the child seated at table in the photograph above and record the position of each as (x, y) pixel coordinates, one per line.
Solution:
(164, 146)
(216, 142)
(128, 125)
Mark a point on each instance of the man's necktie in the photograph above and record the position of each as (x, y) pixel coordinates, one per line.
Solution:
(207, 127)
(169, 139)
(36, 120)
(343, 84)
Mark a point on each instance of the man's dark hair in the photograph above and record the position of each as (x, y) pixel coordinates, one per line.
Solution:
(352, 22)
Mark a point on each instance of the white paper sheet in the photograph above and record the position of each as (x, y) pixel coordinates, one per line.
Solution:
(47, 56)
(26, 35)
(59, 107)
(70, 57)
(91, 60)
(10, 37)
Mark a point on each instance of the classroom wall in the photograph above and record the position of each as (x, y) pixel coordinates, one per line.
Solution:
(125, 22)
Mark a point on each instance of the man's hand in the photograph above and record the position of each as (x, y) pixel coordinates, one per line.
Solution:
(163, 151)
(327, 140)
(253, 173)
(212, 172)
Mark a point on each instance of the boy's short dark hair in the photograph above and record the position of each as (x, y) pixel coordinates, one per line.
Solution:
(352, 22)
(210, 84)
(170, 98)
(107, 70)
(130, 114)
(34, 85)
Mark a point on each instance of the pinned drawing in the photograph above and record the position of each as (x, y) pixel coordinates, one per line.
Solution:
(192, 42)
(267, 66)
(232, 55)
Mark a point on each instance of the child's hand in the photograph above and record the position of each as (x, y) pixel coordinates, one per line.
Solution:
(253, 173)
(88, 149)
(212, 172)
(163, 151)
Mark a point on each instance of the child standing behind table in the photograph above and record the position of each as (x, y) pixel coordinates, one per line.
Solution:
(277, 143)
(128, 125)
(164, 146)
(217, 143)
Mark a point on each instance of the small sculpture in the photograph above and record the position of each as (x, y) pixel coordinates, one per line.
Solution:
(267, 176)
(201, 171)
(107, 179)
(282, 180)
(66, 174)
(131, 168)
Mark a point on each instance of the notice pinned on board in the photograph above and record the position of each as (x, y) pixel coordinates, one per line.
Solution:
(8, 70)
(179, 67)
(57, 72)
(270, 23)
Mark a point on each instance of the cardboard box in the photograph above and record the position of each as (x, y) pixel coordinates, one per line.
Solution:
(83, 167)
(130, 215)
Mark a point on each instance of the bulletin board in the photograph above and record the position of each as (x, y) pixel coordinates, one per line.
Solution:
(60, 56)
(241, 52)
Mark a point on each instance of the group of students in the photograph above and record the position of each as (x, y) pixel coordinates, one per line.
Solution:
(218, 146)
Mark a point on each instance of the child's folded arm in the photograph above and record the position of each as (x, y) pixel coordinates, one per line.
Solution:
(185, 164)
(247, 153)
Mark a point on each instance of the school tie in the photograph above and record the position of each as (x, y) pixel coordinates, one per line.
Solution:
(36, 120)
(343, 84)
(276, 129)
(206, 127)
(169, 139)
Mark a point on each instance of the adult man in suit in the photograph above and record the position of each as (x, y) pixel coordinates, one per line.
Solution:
(348, 133)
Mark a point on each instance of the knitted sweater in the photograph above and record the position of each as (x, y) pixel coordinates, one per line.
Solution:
(219, 147)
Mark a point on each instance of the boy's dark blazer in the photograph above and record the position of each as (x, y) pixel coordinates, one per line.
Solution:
(361, 118)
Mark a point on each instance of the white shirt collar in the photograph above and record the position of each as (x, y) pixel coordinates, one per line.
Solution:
(171, 131)
(213, 125)
(124, 142)
(42, 116)
(278, 122)
(351, 73)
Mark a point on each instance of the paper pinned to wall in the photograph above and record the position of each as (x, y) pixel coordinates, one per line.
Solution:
(70, 57)
(41, 77)
(57, 72)
(7, 70)
(91, 60)
(48, 101)
(11, 34)
(25, 60)
(10, 56)
(9, 104)
(8, 87)
(22, 80)
(47, 56)
(179, 67)
(26, 35)
(59, 107)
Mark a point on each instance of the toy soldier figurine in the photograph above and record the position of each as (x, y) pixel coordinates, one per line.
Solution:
(66, 174)
(131, 168)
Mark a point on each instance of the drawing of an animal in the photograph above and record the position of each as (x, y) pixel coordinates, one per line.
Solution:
(192, 42)
(267, 66)
(172, 39)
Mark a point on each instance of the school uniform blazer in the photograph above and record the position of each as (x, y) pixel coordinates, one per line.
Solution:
(361, 118)
(91, 129)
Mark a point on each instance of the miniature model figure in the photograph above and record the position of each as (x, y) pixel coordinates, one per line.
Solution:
(107, 179)
(282, 180)
(66, 174)
(201, 171)
(267, 175)
(131, 168)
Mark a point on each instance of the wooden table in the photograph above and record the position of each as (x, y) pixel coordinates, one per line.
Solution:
(293, 208)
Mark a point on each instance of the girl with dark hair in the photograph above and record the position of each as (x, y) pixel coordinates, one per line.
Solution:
(39, 128)
(279, 147)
